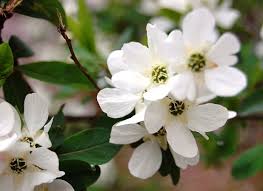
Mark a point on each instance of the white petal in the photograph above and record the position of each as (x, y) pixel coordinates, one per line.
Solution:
(59, 185)
(130, 81)
(36, 112)
(160, 91)
(44, 140)
(127, 134)
(222, 53)
(138, 117)
(7, 183)
(115, 62)
(198, 28)
(45, 159)
(116, 103)
(7, 118)
(146, 160)
(180, 139)
(156, 37)
(226, 17)
(225, 81)
(6, 142)
(204, 95)
(184, 86)
(137, 57)
(207, 117)
(183, 162)
(48, 125)
(232, 114)
(31, 180)
(162, 23)
(155, 116)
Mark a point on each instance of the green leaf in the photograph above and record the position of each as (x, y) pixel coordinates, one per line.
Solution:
(167, 163)
(6, 61)
(252, 104)
(249, 163)
(57, 73)
(19, 48)
(79, 174)
(15, 90)
(175, 174)
(56, 131)
(43, 9)
(83, 28)
(90, 146)
(250, 64)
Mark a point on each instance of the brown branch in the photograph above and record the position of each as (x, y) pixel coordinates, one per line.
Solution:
(62, 31)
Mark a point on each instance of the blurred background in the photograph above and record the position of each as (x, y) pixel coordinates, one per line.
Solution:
(98, 27)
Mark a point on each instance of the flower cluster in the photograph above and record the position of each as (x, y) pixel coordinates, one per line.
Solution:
(225, 15)
(26, 163)
(168, 84)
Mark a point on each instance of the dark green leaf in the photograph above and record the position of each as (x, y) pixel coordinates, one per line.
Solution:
(43, 9)
(175, 174)
(57, 73)
(15, 90)
(79, 174)
(90, 146)
(167, 163)
(56, 131)
(19, 48)
(252, 104)
(249, 163)
(6, 61)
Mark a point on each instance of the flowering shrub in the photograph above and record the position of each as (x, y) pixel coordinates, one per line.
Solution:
(169, 95)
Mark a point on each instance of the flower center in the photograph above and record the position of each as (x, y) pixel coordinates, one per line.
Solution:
(28, 140)
(18, 165)
(160, 133)
(159, 74)
(176, 108)
(197, 62)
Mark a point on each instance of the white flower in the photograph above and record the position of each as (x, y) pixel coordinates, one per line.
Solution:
(225, 15)
(34, 131)
(179, 118)
(140, 72)
(147, 158)
(206, 63)
(9, 122)
(56, 185)
(162, 23)
(22, 168)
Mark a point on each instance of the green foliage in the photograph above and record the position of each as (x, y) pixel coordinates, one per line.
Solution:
(249, 163)
(57, 73)
(6, 61)
(221, 145)
(19, 48)
(79, 174)
(16, 89)
(252, 104)
(168, 166)
(43, 9)
(250, 64)
(56, 131)
(82, 29)
(90, 146)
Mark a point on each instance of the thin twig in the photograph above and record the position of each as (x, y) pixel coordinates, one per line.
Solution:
(62, 31)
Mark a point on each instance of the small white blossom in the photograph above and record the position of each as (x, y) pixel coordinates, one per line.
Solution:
(179, 118)
(35, 130)
(56, 185)
(259, 46)
(22, 168)
(225, 15)
(206, 66)
(140, 73)
(147, 158)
